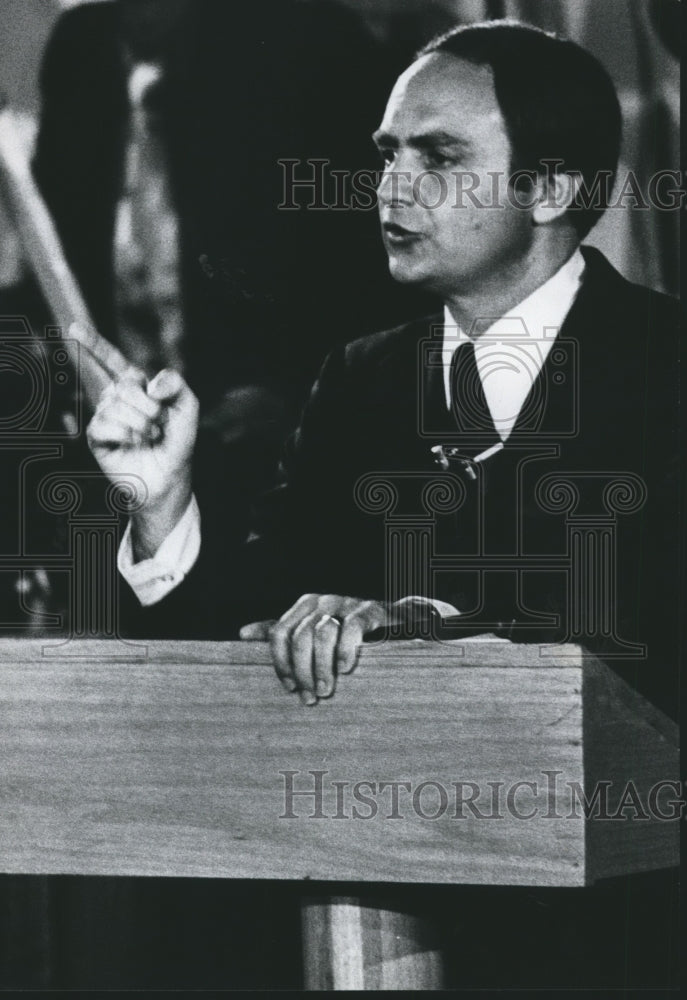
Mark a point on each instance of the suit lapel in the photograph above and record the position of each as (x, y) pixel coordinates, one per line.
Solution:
(552, 407)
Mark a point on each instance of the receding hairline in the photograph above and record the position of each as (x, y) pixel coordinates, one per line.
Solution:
(429, 61)
(424, 59)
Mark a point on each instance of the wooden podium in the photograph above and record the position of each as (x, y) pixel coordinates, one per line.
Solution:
(472, 761)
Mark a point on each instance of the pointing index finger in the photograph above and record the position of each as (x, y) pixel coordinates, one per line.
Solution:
(112, 361)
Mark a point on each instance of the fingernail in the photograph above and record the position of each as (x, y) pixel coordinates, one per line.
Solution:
(289, 685)
(308, 698)
(322, 688)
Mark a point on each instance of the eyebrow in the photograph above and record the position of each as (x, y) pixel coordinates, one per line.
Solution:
(425, 140)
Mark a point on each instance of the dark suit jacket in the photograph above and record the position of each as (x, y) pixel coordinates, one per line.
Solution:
(592, 461)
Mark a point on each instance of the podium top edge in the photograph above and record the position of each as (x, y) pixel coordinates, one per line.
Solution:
(487, 651)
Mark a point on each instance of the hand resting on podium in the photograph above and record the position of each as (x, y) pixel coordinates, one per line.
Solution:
(149, 430)
(320, 636)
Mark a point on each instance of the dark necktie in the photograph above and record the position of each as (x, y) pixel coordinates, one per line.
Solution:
(469, 405)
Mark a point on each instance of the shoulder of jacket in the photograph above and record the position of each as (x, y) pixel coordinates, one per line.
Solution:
(377, 347)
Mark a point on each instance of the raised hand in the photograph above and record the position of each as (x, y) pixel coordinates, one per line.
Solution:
(148, 431)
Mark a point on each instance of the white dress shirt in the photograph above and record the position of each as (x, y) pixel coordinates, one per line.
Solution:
(511, 351)
(152, 579)
(509, 355)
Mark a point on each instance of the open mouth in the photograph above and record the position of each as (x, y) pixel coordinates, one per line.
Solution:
(399, 234)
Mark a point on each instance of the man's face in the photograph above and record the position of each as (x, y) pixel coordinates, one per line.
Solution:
(443, 119)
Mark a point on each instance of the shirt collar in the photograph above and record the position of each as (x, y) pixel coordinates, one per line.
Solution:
(538, 317)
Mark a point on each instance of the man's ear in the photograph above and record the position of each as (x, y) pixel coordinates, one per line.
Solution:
(557, 193)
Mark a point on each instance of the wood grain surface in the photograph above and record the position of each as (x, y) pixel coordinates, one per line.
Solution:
(172, 763)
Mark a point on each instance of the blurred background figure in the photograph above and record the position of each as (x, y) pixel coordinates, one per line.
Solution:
(161, 130)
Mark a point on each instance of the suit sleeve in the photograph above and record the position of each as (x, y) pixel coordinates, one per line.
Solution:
(248, 571)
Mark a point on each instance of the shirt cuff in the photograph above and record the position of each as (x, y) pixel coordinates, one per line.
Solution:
(154, 578)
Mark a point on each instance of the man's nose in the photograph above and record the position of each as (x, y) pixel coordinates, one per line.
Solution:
(395, 188)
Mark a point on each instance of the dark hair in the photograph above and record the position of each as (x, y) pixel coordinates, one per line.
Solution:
(558, 103)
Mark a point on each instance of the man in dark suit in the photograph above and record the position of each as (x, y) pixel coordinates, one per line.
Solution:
(546, 393)
(595, 404)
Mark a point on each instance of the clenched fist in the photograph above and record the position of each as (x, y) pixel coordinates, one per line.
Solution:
(149, 431)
